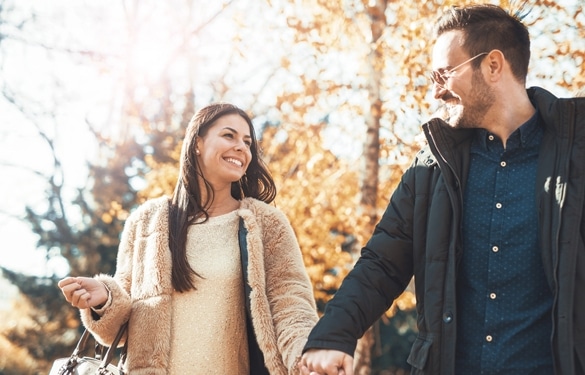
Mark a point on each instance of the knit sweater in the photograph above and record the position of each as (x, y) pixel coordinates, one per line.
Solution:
(209, 324)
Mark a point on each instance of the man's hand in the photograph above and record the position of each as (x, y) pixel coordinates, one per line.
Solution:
(326, 362)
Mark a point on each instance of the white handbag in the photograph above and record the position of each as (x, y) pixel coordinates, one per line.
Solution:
(77, 364)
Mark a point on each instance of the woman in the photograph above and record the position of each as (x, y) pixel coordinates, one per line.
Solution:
(212, 280)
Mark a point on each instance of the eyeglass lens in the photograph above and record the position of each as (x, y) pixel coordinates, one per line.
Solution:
(440, 79)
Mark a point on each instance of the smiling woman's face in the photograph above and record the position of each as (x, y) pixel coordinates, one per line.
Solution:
(224, 151)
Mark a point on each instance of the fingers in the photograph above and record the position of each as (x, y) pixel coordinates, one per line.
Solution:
(333, 372)
(326, 362)
(74, 292)
(79, 298)
(305, 370)
(347, 366)
(65, 281)
(68, 287)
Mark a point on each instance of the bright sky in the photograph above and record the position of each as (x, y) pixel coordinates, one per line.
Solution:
(44, 79)
(83, 92)
(31, 71)
(76, 89)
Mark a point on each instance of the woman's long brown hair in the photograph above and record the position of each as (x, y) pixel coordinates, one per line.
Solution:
(187, 203)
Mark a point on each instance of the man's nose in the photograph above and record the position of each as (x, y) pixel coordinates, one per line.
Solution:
(438, 91)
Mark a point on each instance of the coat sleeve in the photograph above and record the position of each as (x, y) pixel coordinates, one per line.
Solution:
(118, 307)
(380, 275)
(289, 291)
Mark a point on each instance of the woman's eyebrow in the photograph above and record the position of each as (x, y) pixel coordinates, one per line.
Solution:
(235, 131)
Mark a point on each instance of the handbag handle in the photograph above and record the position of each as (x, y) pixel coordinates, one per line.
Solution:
(112, 348)
(80, 348)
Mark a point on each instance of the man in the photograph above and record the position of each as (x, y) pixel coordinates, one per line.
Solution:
(488, 220)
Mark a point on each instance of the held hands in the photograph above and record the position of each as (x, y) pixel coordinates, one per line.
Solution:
(83, 292)
(326, 362)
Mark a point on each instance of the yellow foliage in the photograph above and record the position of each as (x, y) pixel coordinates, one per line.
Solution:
(15, 358)
(17, 320)
(320, 195)
(317, 191)
(162, 178)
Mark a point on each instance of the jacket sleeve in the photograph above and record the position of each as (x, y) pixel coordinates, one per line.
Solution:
(380, 275)
(117, 309)
(288, 288)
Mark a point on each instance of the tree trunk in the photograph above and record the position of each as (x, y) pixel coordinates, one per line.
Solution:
(371, 156)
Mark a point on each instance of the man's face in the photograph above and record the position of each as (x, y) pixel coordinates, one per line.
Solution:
(466, 95)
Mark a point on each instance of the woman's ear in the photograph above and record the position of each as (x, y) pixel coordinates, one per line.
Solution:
(197, 146)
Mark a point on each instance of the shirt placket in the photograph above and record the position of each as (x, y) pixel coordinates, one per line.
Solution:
(499, 212)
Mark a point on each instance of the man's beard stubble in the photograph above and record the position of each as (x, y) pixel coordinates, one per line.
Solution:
(479, 101)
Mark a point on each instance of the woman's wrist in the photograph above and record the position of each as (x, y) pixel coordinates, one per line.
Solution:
(103, 304)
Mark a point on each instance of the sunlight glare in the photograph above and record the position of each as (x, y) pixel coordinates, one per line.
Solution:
(149, 55)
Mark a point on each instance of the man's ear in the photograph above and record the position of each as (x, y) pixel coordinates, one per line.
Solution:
(496, 62)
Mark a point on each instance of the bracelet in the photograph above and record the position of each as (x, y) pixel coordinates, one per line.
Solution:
(101, 306)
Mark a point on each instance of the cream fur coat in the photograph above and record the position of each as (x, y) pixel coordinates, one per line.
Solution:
(282, 302)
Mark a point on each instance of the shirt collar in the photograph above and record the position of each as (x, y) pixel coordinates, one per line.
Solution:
(521, 137)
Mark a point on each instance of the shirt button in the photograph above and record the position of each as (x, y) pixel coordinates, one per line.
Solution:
(495, 249)
(447, 317)
(489, 338)
(493, 295)
(498, 205)
(491, 137)
(503, 163)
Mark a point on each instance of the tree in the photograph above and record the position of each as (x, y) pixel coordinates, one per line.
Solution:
(83, 226)
(386, 97)
(337, 92)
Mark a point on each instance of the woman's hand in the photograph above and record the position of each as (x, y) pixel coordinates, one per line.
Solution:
(326, 362)
(83, 292)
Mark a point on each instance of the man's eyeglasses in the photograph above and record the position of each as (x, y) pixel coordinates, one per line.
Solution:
(442, 78)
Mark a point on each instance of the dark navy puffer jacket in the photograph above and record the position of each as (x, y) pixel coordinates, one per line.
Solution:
(419, 235)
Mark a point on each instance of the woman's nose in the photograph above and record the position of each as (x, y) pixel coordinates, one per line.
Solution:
(240, 145)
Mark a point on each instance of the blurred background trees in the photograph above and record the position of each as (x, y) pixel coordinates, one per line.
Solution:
(96, 97)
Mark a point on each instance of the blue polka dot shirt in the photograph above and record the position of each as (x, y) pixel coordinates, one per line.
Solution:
(504, 302)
